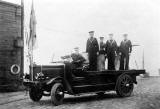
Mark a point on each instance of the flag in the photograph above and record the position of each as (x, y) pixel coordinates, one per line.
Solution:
(26, 36)
(32, 37)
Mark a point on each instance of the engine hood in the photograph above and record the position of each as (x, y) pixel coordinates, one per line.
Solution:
(49, 71)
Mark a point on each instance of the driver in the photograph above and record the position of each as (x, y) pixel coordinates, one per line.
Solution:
(74, 60)
(77, 61)
(77, 58)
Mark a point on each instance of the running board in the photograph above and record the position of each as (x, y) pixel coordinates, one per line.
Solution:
(81, 86)
(93, 88)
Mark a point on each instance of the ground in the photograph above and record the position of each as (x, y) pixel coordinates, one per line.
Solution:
(146, 95)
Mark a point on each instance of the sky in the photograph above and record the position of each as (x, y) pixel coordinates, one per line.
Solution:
(64, 24)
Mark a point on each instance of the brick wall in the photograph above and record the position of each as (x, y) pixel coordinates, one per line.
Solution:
(10, 30)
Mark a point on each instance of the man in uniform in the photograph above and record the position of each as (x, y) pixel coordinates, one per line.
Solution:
(92, 49)
(77, 61)
(77, 58)
(111, 51)
(125, 49)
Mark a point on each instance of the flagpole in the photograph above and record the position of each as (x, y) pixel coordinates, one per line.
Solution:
(22, 36)
(32, 54)
(31, 48)
(32, 59)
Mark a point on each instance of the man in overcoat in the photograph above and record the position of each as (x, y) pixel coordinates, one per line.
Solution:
(92, 49)
(125, 50)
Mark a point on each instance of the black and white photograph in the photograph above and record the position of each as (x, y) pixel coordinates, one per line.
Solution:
(79, 54)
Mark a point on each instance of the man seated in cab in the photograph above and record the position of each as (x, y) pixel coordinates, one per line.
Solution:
(77, 58)
(72, 61)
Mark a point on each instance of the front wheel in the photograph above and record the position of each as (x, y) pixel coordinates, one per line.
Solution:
(124, 85)
(35, 93)
(57, 94)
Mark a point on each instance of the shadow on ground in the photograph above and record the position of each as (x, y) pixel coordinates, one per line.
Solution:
(80, 99)
(89, 98)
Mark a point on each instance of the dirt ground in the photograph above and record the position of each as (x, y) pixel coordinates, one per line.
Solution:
(146, 95)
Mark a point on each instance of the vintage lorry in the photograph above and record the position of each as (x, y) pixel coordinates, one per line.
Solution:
(55, 81)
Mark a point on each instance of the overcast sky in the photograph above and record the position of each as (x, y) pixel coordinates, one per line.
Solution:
(64, 24)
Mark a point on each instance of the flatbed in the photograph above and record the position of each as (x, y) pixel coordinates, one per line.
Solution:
(57, 81)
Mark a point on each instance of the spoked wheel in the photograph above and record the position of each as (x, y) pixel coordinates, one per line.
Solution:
(35, 93)
(124, 85)
(57, 94)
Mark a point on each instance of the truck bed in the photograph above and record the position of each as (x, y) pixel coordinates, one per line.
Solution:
(116, 72)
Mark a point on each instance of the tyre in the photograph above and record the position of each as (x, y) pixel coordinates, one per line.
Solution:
(35, 94)
(124, 85)
(57, 94)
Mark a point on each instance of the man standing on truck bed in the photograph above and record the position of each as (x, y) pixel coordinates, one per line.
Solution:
(111, 51)
(101, 57)
(125, 49)
(92, 49)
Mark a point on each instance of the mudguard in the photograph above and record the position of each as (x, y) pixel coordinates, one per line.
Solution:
(55, 80)
(65, 83)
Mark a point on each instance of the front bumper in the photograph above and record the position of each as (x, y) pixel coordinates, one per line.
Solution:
(29, 83)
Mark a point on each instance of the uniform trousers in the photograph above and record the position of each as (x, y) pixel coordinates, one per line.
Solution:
(111, 60)
(124, 62)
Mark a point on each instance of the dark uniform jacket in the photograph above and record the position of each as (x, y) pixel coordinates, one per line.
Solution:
(125, 47)
(111, 46)
(102, 48)
(77, 58)
(92, 46)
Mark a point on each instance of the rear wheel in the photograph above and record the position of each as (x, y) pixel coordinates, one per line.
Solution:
(57, 94)
(35, 93)
(124, 85)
